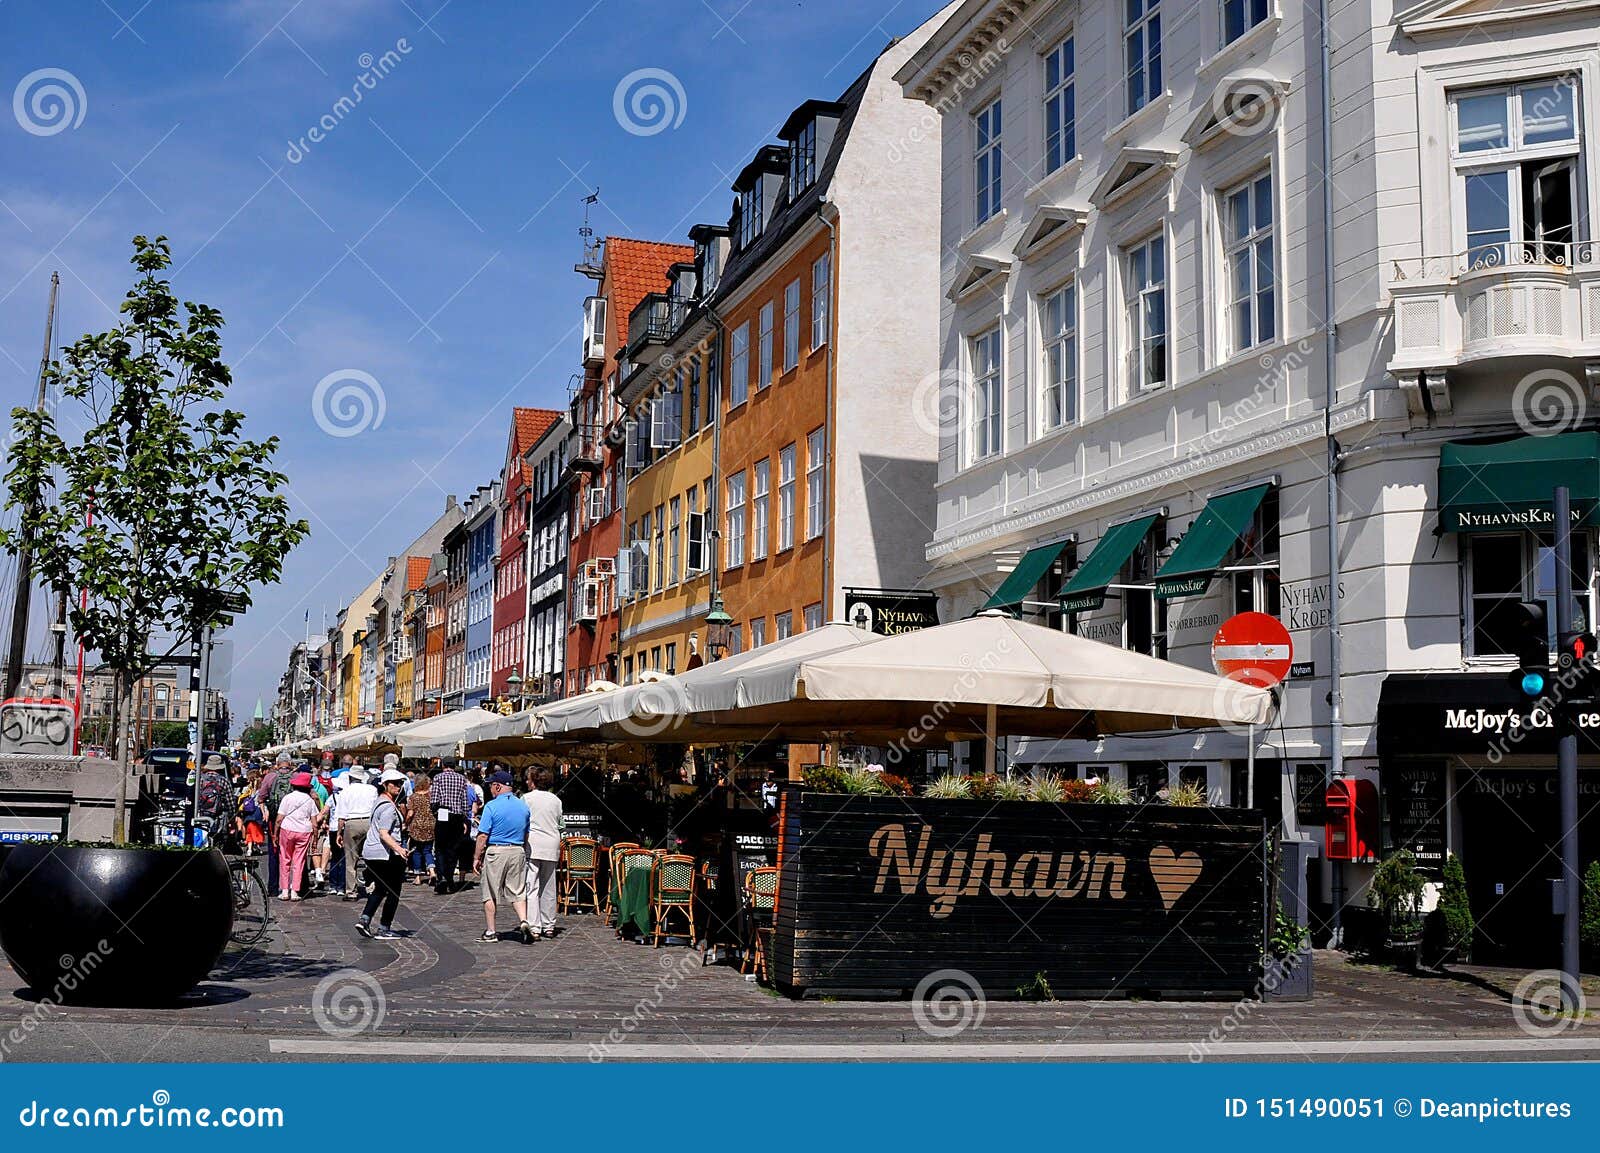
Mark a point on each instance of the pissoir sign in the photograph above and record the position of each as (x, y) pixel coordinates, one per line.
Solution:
(878, 893)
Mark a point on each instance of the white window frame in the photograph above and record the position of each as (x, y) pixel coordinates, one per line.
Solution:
(1060, 98)
(760, 503)
(1257, 239)
(1059, 343)
(739, 366)
(1510, 160)
(791, 325)
(1140, 301)
(1149, 75)
(1530, 547)
(985, 421)
(816, 482)
(674, 540)
(786, 482)
(988, 158)
(821, 295)
(735, 518)
(1252, 13)
(764, 361)
(812, 616)
(782, 625)
(758, 632)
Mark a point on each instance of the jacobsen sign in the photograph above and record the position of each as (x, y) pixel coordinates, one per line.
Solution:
(1426, 714)
(879, 892)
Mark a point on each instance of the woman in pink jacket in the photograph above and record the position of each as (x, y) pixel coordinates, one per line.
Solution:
(297, 816)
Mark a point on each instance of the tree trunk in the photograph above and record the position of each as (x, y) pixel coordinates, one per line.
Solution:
(125, 729)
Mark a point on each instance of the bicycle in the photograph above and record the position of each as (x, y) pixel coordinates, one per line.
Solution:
(251, 917)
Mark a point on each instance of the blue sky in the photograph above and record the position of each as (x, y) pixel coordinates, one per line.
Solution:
(427, 240)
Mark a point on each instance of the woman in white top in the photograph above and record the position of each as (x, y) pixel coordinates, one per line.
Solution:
(297, 816)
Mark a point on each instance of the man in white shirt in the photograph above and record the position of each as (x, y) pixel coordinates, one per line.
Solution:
(544, 850)
(352, 816)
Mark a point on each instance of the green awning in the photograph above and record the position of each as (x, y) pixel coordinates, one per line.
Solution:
(1019, 581)
(1510, 485)
(1200, 553)
(1087, 588)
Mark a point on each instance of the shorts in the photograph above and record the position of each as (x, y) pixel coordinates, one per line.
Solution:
(505, 874)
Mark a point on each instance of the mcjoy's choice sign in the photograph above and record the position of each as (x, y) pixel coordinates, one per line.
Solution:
(878, 892)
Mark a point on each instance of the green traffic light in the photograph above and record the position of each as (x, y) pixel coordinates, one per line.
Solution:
(1532, 683)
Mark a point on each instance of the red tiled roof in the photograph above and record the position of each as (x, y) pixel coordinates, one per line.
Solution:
(417, 571)
(637, 268)
(529, 424)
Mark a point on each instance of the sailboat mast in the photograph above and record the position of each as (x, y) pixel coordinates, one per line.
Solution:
(20, 603)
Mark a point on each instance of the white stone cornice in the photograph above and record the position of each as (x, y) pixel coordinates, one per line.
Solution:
(1024, 524)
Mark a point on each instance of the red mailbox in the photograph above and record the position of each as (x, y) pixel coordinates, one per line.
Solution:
(1352, 830)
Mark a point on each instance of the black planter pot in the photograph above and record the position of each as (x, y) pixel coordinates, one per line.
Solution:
(113, 926)
(1287, 978)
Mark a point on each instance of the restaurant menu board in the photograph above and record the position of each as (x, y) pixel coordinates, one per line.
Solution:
(1311, 795)
(754, 851)
(581, 824)
(1414, 795)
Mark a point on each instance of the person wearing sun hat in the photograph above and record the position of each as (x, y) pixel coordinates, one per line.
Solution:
(297, 816)
(385, 856)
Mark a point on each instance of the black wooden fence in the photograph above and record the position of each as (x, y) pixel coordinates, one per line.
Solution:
(880, 893)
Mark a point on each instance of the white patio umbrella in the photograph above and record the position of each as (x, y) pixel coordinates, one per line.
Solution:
(359, 737)
(974, 678)
(443, 736)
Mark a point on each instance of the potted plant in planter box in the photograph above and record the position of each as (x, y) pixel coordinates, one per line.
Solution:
(148, 497)
(1397, 890)
(1286, 963)
(1452, 925)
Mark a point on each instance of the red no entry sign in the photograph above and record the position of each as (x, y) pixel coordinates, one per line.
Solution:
(1253, 648)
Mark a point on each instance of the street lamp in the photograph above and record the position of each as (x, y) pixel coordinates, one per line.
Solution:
(514, 687)
(719, 629)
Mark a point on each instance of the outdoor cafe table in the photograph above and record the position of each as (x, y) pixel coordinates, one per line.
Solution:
(631, 900)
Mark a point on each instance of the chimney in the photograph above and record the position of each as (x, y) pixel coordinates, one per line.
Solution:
(449, 502)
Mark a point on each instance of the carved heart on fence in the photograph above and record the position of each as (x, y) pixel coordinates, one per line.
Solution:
(1173, 873)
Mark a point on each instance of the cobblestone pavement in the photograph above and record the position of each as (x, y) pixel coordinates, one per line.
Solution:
(318, 988)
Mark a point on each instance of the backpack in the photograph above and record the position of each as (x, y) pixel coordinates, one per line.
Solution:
(251, 811)
(213, 800)
(281, 788)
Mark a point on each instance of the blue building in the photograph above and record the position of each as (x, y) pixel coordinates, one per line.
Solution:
(482, 527)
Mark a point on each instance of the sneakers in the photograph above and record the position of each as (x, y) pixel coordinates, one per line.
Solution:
(527, 935)
(489, 936)
(283, 894)
(384, 933)
(364, 927)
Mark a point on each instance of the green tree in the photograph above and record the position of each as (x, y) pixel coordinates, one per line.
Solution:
(169, 735)
(142, 489)
(257, 737)
(1455, 911)
(1589, 907)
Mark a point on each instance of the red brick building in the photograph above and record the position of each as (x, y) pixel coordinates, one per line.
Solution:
(509, 645)
(625, 271)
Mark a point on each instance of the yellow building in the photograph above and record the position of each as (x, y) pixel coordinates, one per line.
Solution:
(668, 388)
(352, 627)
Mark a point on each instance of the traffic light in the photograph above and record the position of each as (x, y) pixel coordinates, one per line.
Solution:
(1530, 643)
(1575, 664)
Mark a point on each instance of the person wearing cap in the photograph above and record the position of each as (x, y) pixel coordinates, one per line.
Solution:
(385, 856)
(352, 818)
(296, 817)
(500, 860)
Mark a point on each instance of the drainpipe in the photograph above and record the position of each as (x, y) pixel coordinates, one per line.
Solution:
(713, 535)
(1330, 396)
(823, 205)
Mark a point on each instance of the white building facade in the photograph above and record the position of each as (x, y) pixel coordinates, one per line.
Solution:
(1134, 404)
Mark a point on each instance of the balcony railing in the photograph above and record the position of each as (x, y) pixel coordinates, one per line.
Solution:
(651, 322)
(585, 449)
(1496, 301)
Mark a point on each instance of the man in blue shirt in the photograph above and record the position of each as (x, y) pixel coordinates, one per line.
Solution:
(499, 860)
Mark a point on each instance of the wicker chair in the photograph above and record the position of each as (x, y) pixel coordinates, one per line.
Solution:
(760, 901)
(580, 863)
(613, 854)
(628, 861)
(672, 891)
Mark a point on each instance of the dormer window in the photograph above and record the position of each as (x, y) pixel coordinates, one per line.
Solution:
(803, 159)
(749, 214)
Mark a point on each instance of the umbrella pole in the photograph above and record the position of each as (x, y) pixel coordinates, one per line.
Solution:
(989, 726)
(1250, 768)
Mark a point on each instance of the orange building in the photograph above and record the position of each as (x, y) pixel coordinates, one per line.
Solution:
(625, 271)
(829, 311)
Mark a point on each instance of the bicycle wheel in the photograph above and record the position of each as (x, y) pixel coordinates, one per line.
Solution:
(250, 918)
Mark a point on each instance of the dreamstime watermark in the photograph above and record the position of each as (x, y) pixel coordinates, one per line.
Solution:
(948, 1002)
(74, 970)
(1248, 107)
(676, 969)
(348, 1002)
(655, 707)
(974, 69)
(348, 402)
(1275, 972)
(48, 101)
(1264, 397)
(931, 721)
(373, 69)
(1537, 1003)
(1548, 402)
(648, 101)
(937, 401)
